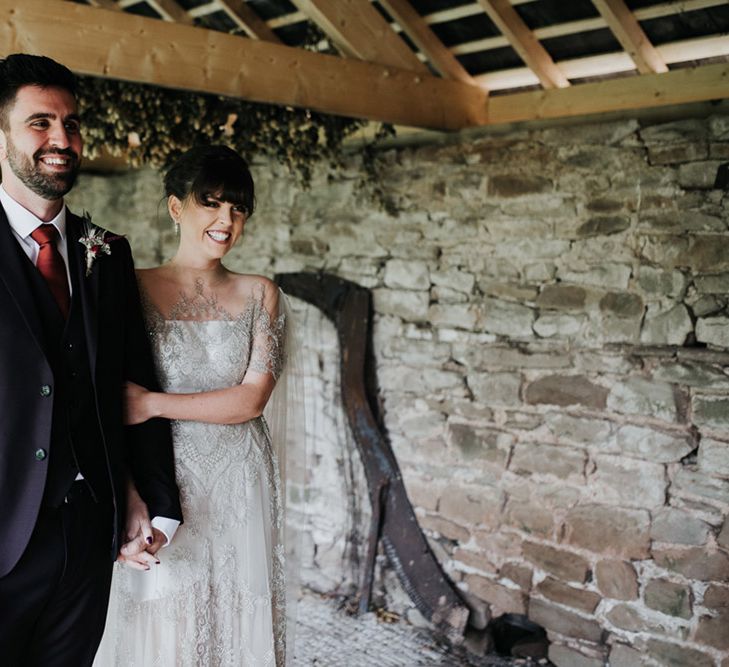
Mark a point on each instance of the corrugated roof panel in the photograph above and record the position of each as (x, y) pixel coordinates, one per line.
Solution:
(589, 43)
(142, 9)
(552, 12)
(638, 4)
(425, 7)
(217, 21)
(192, 4)
(271, 9)
(295, 34)
(685, 25)
(491, 60)
(466, 29)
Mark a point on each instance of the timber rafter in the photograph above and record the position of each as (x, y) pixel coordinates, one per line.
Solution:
(398, 65)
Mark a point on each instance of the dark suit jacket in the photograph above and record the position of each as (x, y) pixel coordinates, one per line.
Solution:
(118, 350)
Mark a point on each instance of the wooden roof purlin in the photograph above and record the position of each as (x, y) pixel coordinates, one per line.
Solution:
(466, 64)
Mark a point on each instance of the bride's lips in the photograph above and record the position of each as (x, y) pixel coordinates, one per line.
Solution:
(218, 236)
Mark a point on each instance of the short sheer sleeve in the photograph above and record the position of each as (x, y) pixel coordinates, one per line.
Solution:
(268, 350)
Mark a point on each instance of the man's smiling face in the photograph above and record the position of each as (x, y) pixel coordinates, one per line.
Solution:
(41, 142)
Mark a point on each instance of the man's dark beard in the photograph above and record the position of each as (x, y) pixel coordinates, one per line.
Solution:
(48, 186)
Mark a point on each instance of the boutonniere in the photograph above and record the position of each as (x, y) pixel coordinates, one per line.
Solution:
(96, 241)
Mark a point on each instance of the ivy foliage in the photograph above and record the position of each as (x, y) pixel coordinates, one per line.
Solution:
(148, 125)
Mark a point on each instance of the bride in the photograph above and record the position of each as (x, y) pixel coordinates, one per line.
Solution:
(218, 596)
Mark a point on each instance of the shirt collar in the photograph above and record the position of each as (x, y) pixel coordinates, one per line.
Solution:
(23, 222)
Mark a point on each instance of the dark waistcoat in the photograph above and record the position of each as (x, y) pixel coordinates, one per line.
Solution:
(76, 443)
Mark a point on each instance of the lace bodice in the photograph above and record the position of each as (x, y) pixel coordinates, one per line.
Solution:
(201, 346)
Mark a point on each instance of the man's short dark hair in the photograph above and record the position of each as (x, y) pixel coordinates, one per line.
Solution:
(21, 69)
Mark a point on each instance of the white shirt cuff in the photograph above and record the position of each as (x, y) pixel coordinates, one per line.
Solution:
(167, 526)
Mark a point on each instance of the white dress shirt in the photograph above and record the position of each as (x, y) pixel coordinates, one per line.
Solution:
(23, 223)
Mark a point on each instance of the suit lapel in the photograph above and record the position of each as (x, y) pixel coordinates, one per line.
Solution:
(85, 288)
(12, 273)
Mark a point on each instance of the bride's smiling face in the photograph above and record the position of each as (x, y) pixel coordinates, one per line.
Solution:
(210, 227)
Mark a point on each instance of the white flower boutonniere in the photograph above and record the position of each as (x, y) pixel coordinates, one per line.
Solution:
(96, 241)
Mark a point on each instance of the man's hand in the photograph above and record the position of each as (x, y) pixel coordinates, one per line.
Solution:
(138, 522)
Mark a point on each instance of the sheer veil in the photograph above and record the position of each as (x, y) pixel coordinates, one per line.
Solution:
(286, 419)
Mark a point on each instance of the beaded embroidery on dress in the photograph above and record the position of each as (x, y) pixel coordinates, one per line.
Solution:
(218, 598)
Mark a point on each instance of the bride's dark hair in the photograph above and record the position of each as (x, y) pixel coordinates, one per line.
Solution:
(211, 171)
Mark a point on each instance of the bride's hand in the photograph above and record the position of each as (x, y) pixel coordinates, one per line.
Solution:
(136, 404)
(140, 539)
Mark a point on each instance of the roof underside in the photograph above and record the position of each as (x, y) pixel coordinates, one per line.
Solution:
(501, 47)
(569, 30)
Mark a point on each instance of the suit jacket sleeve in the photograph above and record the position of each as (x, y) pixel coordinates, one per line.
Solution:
(149, 451)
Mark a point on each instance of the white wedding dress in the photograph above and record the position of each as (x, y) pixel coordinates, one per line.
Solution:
(218, 597)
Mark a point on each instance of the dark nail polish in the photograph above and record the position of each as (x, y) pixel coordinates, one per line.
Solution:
(149, 540)
(156, 562)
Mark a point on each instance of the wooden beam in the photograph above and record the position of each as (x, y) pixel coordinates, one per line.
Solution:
(604, 64)
(628, 32)
(582, 25)
(681, 86)
(136, 48)
(360, 31)
(461, 12)
(105, 4)
(286, 19)
(454, 13)
(426, 40)
(525, 43)
(253, 25)
(171, 11)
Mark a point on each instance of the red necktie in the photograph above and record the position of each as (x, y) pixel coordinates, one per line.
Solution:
(51, 266)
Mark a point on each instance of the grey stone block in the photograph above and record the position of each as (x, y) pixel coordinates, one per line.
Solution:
(566, 390)
(714, 331)
(711, 411)
(628, 482)
(610, 531)
(506, 319)
(545, 459)
(405, 274)
(652, 445)
(714, 457)
(666, 327)
(569, 297)
(678, 527)
(603, 226)
(641, 396)
(495, 388)
(669, 598)
(701, 175)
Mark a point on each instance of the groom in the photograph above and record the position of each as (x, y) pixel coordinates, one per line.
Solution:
(71, 333)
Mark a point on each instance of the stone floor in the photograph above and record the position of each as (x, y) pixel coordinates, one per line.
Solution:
(327, 636)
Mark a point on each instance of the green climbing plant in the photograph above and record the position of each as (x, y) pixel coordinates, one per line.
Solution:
(148, 125)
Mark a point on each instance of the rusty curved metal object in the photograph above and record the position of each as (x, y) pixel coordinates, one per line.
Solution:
(349, 306)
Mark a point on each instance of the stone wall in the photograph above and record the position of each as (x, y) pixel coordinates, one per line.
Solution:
(552, 339)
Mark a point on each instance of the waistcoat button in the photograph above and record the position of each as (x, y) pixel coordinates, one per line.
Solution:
(45, 390)
(40, 454)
